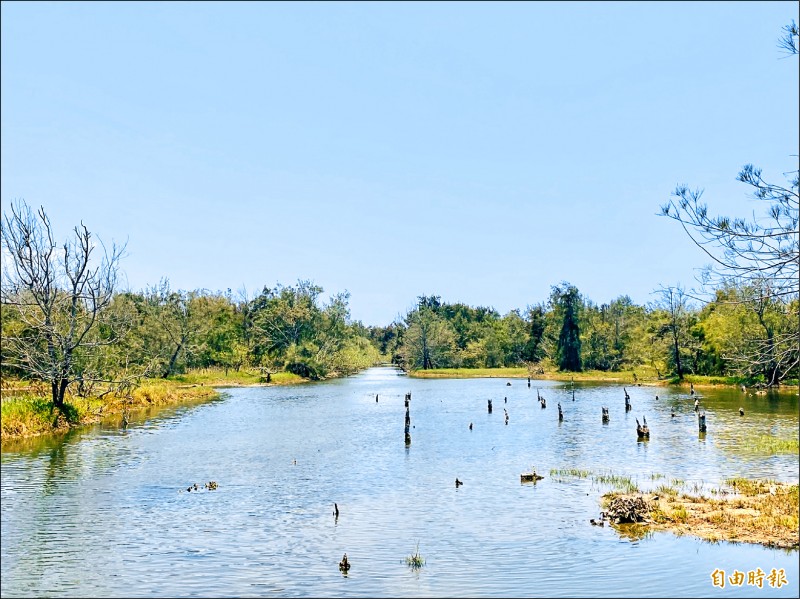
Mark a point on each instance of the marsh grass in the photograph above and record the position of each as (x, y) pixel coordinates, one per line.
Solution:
(750, 488)
(680, 515)
(764, 444)
(756, 511)
(28, 415)
(434, 373)
(666, 490)
(548, 372)
(623, 484)
(244, 376)
(415, 560)
(574, 472)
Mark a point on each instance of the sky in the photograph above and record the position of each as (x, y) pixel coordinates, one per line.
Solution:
(482, 152)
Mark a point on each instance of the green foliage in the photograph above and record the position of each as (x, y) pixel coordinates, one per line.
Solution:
(567, 304)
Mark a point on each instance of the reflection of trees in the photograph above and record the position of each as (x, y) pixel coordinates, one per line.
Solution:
(56, 467)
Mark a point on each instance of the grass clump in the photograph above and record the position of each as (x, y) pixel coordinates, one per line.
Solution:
(577, 473)
(623, 484)
(415, 560)
(667, 490)
(28, 415)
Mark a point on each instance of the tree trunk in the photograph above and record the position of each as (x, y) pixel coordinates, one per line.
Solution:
(172, 361)
(677, 357)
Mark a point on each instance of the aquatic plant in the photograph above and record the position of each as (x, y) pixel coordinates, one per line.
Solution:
(570, 472)
(415, 560)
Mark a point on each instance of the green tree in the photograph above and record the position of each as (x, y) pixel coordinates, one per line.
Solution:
(429, 340)
(567, 303)
(534, 350)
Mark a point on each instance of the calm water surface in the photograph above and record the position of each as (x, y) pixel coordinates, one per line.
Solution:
(105, 512)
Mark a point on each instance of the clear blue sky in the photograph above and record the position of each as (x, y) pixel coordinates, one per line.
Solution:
(482, 152)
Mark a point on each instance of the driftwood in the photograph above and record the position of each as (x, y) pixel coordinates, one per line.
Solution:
(701, 422)
(624, 509)
(605, 415)
(642, 430)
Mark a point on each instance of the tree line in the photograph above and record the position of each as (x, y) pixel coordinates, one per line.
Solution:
(64, 322)
(672, 336)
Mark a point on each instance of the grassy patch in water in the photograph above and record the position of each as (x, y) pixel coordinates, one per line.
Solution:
(666, 490)
(415, 560)
(575, 472)
(760, 445)
(624, 484)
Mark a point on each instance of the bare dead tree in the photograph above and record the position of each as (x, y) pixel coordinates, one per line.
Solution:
(57, 296)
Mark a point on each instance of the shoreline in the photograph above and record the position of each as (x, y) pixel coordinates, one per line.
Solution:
(594, 376)
(27, 415)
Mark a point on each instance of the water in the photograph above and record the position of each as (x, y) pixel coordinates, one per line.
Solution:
(105, 511)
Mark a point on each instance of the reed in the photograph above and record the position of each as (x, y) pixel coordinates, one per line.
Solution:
(415, 560)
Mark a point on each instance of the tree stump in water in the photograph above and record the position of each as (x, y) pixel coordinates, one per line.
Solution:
(642, 430)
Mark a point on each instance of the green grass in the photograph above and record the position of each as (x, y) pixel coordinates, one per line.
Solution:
(666, 490)
(623, 484)
(710, 380)
(771, 445)
(415, 560)
(679, 514)
(759, 445)
(28, 415)
(217, 377)
(515, 372)
(749, 487)
(571, 472)
(625, 376)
